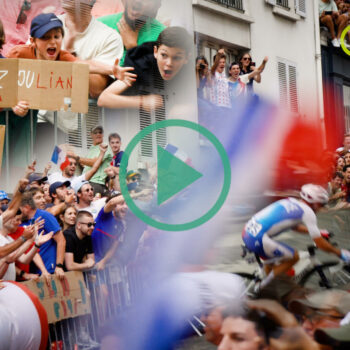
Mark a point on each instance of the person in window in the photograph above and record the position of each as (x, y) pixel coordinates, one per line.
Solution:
(247, 66)
(202, 76)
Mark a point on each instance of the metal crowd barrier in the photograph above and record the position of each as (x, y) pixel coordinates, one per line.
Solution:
(110, 293)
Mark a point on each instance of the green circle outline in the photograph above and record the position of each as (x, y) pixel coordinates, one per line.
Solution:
(342, 41)
(224, 159)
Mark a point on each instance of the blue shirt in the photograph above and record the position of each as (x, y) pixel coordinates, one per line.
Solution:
(48, 250)
(117, 159)
(107, 230)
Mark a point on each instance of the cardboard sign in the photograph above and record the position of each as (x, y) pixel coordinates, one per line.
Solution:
(44, 84)
(63, 299)
(2, 141)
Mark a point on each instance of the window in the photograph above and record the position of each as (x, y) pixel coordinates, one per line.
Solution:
(236, 4)
(346, 94)
(149, 143)
(288, 89)
(79, 136)
(283, 3)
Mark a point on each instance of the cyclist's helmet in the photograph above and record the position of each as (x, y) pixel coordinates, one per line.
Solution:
(314, 194)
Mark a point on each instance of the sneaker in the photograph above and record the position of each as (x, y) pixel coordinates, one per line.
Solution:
(335, 42)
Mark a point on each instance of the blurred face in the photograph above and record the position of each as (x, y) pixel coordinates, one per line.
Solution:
(246, 59)
(240, 334)
(61, 193)
(221, 66)
(97, 137)
(86, 225)
(337, 182)
(325, 319)
(340, 163)
(49, 46)
(213, 322)
(4, 202)
(347, 158)
(115, 145)
(140, 10)
(234, 71)
(47, 196)
(169, 60)
(12, 224)
(69, 216)
(347, 142)
(39, 200)
(70, 169)
(121, 210)
(76, 6)
(347, 175)
(87, 193)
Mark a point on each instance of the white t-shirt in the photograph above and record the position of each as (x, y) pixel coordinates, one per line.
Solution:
(10, 274)
(58, 177)
(95, 207)
(98, 42)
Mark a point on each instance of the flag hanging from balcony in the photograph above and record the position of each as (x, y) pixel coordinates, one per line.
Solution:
(60, 158)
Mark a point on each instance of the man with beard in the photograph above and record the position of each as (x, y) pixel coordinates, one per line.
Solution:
(68, 173)
(52, 252)
(137, 24)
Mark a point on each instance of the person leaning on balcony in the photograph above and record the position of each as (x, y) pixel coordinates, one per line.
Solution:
(137, 24)
(90, 39)
(330, 17)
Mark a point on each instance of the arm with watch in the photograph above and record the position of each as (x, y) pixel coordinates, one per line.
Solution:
(61, 249)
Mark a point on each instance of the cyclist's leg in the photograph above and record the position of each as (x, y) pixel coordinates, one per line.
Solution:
(274, 249)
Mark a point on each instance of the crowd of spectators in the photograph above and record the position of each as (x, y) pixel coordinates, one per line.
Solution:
(334, 15)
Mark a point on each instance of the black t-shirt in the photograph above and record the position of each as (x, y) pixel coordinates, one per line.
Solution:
(79, 248)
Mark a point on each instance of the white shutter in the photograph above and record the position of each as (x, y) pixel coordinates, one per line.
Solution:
(293, 91)
(283, 85)
(271, 2)
(300, 7)
(149, 143)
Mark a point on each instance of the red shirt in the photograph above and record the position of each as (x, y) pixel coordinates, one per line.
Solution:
(15, 235)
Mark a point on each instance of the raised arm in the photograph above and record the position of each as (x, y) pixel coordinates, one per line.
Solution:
(96, 164)
(256, 74)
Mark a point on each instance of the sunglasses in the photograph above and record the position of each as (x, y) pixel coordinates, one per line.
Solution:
(89, 224)
(246, 59)
(22, 17)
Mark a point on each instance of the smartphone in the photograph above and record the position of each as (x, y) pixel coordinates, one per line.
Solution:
(253, 64)
(329, 13)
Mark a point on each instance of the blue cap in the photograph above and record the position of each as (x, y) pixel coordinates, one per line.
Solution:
(43, 23)
(3, 195)
(53, 187)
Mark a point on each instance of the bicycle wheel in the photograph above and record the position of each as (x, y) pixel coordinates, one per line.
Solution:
(328, 275)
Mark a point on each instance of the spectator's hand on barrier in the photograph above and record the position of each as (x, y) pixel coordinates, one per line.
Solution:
(31, 276)
(47, 277)
(345, 255)
(100, 265)
(89, 263)
(59, 272)
(151, 102)
(21, 109)
(128, 34)
(124, 73)
(41, 239)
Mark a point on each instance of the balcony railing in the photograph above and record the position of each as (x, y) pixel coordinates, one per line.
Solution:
(283, 3)
(236, 4)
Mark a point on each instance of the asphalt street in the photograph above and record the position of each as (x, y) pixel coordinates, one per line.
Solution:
(228, 252)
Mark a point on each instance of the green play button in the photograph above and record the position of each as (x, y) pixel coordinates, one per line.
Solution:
(173, 175)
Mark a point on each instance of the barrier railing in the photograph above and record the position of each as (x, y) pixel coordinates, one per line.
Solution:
(109, 291)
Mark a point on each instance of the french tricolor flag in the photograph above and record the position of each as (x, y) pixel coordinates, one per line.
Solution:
(60, 158)
(178, 153)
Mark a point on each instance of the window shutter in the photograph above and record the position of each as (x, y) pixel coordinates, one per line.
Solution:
(300, 7)
(271, 2)
(293, 91)
(283, 87)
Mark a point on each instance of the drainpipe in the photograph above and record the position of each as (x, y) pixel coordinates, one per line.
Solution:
(318, 59)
